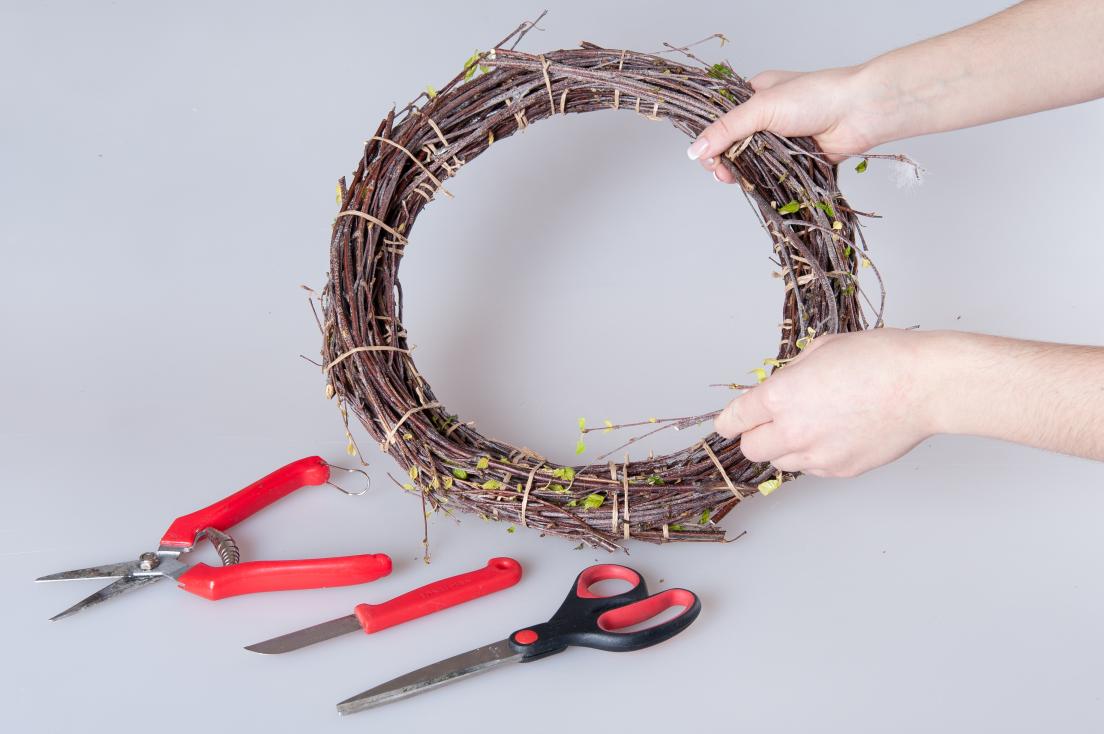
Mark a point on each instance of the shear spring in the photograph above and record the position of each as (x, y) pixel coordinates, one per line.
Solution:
(225, 546)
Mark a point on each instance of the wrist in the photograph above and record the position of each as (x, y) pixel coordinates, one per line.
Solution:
(874, 104)
(942, 385)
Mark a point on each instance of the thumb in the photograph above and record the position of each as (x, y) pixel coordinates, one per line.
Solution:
(743, 414)
(771, 78)
(736, 125)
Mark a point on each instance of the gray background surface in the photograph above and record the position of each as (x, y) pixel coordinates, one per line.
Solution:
(166, 179)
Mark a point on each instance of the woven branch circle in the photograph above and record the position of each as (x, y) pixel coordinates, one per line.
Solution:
(816, 243)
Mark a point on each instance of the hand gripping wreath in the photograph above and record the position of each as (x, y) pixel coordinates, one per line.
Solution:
(816, 243)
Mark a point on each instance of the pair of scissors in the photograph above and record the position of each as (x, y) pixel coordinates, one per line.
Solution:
(232, 578)
(585, 619)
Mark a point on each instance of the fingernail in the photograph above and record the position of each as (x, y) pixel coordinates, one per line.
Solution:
(694, 151)
(717, 178)
(711, 161)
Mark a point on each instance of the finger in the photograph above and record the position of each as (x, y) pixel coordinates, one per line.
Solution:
(764, 443)
(742, 414)
(736, 124)
(721, 172)
(796, 461)
(709, 163)
(771, 77)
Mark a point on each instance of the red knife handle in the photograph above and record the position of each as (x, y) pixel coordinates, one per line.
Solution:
(252, 577)
(228, 512)
(498, 574)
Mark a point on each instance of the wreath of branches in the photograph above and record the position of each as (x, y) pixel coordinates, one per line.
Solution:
(817, 246)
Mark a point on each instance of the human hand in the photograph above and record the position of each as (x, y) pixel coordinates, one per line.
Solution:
(835, 107)
(847, 404)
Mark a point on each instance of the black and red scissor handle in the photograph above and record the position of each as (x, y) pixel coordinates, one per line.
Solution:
(586, 619)
(217, 582)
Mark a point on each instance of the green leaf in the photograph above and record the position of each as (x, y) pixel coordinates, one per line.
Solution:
(557, 488)
(459, 474)
(564, 472)
(861, 168)
(482, 463)
(676, 527)
(593, 501)
(847, 251)
(720, 70)
(582, 424)
(580, 447)
(655, 480)
(704, 517)
(789, 208)
(492, 484)
(511, 529)
(470, 66)
(431, 91)
(826, 208)
(573, 503)
(727, 95)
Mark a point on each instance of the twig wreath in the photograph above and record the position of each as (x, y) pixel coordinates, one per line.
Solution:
(817, 245)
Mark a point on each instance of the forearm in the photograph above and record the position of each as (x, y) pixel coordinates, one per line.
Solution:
(1045, 395)
(1037, 55)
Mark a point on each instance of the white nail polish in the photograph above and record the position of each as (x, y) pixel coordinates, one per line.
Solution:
(694, 151)
(717, 178)
(710, 161)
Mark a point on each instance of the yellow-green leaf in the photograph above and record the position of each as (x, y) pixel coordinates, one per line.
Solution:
(492, 484)
(609, 426)
(459, 474)
(861, 168)
(582, 424)
(580, 447)
(770, 485)
(789, 208)
(593, 501)
(482, 463)
(431, 91)
(760, 374)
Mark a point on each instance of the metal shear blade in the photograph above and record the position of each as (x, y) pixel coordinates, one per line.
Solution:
(121, 586)
(433, 676)
(109, 571)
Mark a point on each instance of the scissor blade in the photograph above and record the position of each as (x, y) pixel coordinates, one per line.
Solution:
(308, 636)
(109, 571)
(432, 676)
(123, 585)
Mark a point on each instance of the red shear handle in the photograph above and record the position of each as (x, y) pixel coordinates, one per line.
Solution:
(219, 582)
(226, 513)
(498, 574)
